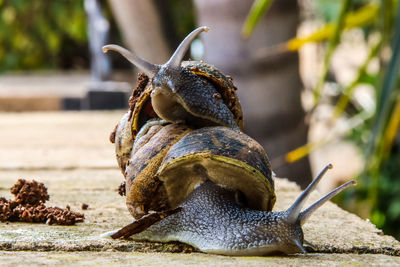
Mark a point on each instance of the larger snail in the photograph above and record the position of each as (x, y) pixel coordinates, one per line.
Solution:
(208, 186)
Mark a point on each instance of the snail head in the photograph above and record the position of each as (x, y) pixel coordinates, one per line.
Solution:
(160, 74)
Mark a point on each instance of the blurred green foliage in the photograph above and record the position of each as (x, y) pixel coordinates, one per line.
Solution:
(181, 18)
(42, 34)
(377, 195)
(258, 8)
(328, 10)
(52, 34)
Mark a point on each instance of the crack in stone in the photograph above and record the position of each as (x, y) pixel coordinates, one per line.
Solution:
(172, 247)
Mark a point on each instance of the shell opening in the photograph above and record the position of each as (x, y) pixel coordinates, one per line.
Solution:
(224, 171)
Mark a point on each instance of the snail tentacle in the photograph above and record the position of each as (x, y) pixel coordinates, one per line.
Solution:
(176, 59)
(148, 68)
(292, 213)
(301, 247)
(304, 215)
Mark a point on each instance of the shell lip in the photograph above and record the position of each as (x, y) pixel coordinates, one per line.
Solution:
(258, 187)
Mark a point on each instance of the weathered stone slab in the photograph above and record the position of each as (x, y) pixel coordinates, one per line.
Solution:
(114, 258)
(71, 154)
(330, 229)
(57, 140)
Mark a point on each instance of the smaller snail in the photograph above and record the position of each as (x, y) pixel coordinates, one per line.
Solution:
(185, 92)
(143, 115)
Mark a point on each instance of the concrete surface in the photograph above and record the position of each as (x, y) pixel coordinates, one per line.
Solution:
(113, 258)
(71, 154)
(39, 84)
(53, 91)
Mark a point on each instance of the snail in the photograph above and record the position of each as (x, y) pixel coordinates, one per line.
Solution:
(169, 161)
(143, 149)
(212, 220)
(204, 92)
(186, 92)
(195, 177)
(211, 188)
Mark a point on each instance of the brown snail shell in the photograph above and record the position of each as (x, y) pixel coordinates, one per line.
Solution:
(174, 159)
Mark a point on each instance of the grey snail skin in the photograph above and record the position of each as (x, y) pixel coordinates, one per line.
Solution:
(211, 220)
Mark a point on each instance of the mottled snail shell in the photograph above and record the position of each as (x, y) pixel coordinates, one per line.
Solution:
(142, 109)
(170, 161)
(140, 159)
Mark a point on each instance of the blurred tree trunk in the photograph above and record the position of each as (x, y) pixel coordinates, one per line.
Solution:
(140, 26)
(269, 85)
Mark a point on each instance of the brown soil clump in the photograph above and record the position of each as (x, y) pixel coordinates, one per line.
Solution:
(122, 189)
(143, 79)
(28, 206)
(32, 193)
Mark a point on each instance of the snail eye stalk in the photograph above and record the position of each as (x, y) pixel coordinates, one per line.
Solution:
(304, 215)
(152, 69)
(148, 68)
(176, 59)
(294, 213)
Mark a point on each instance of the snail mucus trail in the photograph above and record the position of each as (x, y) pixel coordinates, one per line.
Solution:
(210, 218)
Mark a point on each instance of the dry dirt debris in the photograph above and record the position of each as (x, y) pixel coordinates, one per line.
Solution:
(122, 189)
(143, 79)
(28, 206)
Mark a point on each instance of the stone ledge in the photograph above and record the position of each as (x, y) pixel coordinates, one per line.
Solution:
(70, 153)
(113, 258)
(331, 230)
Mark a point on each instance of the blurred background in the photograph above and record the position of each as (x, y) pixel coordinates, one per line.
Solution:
(318, 79)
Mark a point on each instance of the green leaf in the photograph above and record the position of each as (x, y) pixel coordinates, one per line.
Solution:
(378, 218)
(258, 8)
(348, 91)
(378, 144)
(339, 26)
(365, 15)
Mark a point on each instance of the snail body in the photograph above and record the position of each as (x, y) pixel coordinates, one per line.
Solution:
(192, 175)
(212, 221)
(195, 186)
